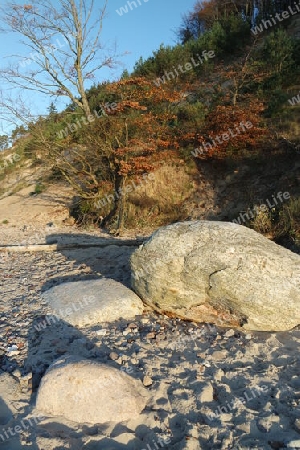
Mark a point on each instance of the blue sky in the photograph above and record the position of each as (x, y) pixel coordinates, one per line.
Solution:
(143, 29)
(139, 32)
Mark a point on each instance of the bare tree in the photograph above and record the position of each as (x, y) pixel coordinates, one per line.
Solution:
(64, 47)
(15, 110)
(243, 73)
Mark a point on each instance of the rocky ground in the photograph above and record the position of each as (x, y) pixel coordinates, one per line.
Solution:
(211, 388)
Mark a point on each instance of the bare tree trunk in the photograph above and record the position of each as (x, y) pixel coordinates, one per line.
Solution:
(119, 205)
(235, 96)
(122, 205)
(60, 68)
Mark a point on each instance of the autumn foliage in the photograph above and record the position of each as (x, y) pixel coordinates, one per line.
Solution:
(143, 114)
(243, 125)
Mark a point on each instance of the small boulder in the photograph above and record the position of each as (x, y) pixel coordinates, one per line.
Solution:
(88, 392)
(219, 272)
(91, 302)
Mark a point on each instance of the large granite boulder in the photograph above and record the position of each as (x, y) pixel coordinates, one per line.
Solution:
(88, 392)
(221, 273)
(83, 303)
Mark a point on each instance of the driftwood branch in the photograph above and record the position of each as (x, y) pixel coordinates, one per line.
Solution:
(58, 247)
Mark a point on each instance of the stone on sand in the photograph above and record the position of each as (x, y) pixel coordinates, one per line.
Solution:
(83, 303)
(87, 392)
(219, 272)
(207, 393)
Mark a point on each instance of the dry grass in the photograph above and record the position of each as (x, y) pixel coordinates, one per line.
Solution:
(162, 200)
(280, 223)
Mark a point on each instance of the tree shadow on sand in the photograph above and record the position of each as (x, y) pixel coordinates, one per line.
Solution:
(103, 257)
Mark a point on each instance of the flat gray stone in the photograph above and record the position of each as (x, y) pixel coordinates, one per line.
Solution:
(91, 302)
(88, 392)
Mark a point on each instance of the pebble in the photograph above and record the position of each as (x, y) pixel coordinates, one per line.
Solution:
(151, 335)
(297, 425)
(114, 356)
(160, 336)
(13, 353)
(101, 332)
(207, 393)
(229, 333)
(12, 348)
(147, 381)
(294, 444)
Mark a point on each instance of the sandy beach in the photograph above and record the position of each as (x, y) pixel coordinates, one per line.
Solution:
(209, 387)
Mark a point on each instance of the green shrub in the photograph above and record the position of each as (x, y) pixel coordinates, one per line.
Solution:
(39, 188)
